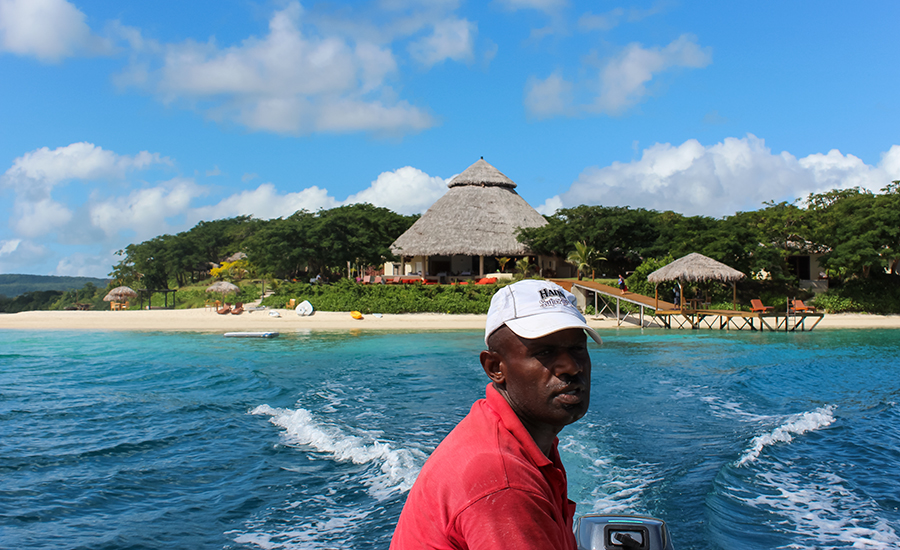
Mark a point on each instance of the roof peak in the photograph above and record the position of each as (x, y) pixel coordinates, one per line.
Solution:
(482, 174)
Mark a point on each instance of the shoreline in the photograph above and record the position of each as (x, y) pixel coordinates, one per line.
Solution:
(205, 320)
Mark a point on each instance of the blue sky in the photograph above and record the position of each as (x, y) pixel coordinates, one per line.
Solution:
(120, 121)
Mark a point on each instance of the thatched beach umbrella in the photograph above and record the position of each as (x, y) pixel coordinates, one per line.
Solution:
(695, 268)
(479, 215)
(119, 294)
(223, 287)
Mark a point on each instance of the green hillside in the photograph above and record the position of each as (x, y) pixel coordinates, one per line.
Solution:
(14, 285)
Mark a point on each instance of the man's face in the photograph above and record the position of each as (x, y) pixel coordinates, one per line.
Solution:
(547, 380)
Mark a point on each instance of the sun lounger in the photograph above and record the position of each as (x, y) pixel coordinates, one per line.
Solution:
(238, 308)
(800, 307)
(757, 305)
(225, 310)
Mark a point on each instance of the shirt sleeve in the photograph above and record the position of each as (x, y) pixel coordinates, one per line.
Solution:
(514, 519)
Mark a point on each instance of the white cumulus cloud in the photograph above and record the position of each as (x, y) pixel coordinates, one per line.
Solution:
(406, 190)
(145, 211)
(49, 30)
(266, 202)
(737, 174)
(34, 175)
(291, 81)
(620, 83)
(450, 39)
(16, 255)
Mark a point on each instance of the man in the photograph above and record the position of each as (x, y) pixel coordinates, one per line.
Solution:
(496, 481)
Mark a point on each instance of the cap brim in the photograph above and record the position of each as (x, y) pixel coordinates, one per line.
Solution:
(538, 326)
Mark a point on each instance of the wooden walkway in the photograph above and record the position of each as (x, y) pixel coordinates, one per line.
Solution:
(659, 313)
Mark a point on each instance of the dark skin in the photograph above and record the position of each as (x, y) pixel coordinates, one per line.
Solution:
(545, 380)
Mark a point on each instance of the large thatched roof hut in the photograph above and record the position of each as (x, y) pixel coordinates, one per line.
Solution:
(477, 218)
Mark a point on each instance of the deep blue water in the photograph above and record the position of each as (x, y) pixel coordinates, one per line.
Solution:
(182, 440)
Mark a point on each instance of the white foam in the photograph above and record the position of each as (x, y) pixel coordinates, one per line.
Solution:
(731, 410)
(398, 467)
(796, 425)
(821, 510)
(307, 534)
(616, 488)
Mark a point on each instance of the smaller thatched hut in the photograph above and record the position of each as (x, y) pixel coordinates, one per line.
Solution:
(695, 268)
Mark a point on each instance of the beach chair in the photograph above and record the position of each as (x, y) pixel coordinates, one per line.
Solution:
(367, 279)
(238, 308)
(800, 307)
(225, 309)
(377, 280)
(757, 306)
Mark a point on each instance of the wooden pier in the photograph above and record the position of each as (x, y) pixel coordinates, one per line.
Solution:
(651, 312)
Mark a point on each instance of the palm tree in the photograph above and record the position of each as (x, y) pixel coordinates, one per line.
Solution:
(523, 266)
(584, 257)
(502, 262)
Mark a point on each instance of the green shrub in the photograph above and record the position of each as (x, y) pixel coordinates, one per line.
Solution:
(347, 295)
(880, 294)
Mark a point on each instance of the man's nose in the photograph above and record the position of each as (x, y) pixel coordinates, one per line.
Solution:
(571, 362)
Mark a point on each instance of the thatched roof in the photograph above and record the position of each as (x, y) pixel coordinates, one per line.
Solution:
(119, 293)
(694, 268)
(482, 174)
(223, 287)
(478, 216)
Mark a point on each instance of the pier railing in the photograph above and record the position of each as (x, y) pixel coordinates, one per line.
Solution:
(650, 312)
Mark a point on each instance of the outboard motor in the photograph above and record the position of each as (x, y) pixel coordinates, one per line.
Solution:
(608, 532)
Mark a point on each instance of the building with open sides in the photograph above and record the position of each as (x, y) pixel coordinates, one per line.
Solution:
(469, 228)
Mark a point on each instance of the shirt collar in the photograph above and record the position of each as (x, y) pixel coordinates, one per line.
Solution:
(512, 423)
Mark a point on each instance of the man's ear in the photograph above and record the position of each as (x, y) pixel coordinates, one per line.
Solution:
(492, 362)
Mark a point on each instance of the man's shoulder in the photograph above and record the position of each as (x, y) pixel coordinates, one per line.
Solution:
(480, 451)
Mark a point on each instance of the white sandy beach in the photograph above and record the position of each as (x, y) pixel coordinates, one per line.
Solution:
(205, 320)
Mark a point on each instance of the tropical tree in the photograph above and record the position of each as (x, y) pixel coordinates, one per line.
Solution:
(502, 262)
(584, 258)
(524, 267)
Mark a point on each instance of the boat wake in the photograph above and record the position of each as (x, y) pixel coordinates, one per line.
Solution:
(795, 425)
(819, 509)
(397, 467)
(614, 487)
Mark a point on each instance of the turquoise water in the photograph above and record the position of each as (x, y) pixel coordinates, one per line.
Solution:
(177, 440)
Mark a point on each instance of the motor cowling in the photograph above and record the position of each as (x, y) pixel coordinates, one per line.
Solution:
(612, 532)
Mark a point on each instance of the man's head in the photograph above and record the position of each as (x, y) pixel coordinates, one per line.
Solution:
(533, 308)
(537, 356)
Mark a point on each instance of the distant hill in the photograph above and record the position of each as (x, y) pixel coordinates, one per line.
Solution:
(14, 285)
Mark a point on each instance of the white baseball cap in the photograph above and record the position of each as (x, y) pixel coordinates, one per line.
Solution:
(534, 308)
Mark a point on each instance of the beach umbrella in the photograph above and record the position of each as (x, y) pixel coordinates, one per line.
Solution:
(119, 294)
(223, 287)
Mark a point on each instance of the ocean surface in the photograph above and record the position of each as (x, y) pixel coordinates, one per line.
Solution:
(121, 440)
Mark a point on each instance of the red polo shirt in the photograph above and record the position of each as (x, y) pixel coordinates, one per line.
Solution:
(488, 486)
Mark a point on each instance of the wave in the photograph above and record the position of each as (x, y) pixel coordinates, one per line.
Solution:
(617, 488)
(796, 425)
(398, 468)
(335, 528)
(820, 509)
